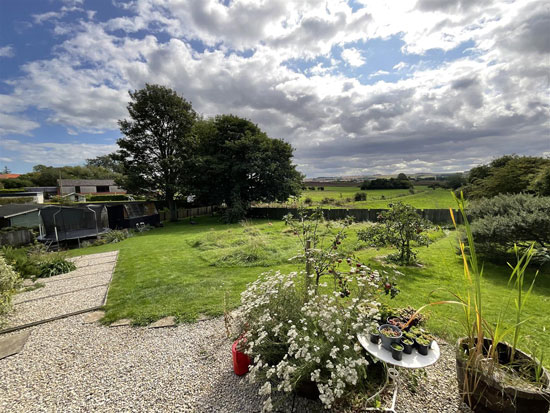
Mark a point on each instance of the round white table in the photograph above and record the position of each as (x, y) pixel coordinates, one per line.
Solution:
(414, 360)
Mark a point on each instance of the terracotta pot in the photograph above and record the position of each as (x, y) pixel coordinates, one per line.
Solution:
(492, 396)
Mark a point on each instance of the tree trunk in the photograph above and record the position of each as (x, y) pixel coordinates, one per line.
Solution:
(173, 208)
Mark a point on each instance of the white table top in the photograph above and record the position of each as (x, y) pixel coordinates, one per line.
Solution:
(410, 361)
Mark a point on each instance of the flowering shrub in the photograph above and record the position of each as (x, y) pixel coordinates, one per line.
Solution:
(9, 281)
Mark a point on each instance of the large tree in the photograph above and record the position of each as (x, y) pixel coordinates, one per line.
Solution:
(158, 146)
(240, 164)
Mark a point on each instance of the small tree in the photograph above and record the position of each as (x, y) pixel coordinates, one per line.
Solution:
(158, 148)
(399, 226)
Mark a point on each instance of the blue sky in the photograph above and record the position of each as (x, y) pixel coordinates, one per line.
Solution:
(357, 87)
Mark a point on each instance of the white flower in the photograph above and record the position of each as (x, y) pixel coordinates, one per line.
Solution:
(265, 390)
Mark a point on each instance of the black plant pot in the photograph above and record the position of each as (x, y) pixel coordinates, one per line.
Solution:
(396, 354)
(407, 348)
(422, 349)
(374, 337)
(386, 341)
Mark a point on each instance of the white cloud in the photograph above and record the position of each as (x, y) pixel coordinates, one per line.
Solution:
(55, 154)
(492, 100)
(7, 51)
(353, 57)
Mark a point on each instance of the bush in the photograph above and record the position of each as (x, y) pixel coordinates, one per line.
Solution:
(327, 201)
(55, 264)
(308, 201)
(105, 198)
(9, 281)
(18, 200)
(500, 222)
(115, 236)
(360, 196)
(24, 263)
(320, 188)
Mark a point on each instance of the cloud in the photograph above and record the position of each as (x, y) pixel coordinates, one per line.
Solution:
(441, 116)
(353, 57)
(7, 51)
(55, 154)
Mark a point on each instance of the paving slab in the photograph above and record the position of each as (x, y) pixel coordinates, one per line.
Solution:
(93, 317)
(169, 321)
(13, 344)
(122, 322)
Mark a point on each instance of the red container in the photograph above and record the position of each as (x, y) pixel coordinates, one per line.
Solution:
(240, 360)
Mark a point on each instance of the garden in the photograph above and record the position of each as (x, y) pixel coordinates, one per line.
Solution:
(298, 321)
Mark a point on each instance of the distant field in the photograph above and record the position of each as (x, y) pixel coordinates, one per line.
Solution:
(343, 197)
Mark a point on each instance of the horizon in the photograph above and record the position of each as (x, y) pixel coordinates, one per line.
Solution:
(356, 87)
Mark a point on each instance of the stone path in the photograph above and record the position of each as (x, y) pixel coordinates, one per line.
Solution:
(76, 291)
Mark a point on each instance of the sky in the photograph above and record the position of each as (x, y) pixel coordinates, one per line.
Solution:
(357, 87)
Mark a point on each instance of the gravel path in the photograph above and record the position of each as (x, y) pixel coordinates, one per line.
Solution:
(77, 290)
(71, 367)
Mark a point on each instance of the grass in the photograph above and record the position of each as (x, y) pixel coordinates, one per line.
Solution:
(343, 197)
(185, 270)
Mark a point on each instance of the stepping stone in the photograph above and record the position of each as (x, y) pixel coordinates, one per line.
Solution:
(169, 321)
(93, 317)
(13, 344)
(28, 283)
(122, 322)
(203, 317)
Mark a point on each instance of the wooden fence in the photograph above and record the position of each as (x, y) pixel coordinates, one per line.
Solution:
(187, 213)
(435, 216)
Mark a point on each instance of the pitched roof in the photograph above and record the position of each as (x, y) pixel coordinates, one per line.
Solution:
(9, 176)
(16, 209)
(85, 182)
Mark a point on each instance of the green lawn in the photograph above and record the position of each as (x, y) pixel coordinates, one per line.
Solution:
(186, 270)
(343, 197)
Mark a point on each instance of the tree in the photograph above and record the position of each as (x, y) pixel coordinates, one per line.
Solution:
(402, 177)
(504, 220)
(108, 162)
(6, 170)
(240, 164)
(509, 174)
(392, 183)
(158, 147)
(454, 181)
(398, 226)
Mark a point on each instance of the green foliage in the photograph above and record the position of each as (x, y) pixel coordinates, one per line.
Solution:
(105, 198)
(503, 221)
(399, 226)
(9, 281)
(108, 162)
(26, 264)
(541, 182)
(17, 183)
(240, 164)
(360, 196)
(55, 264)
(18, 200)
(392, 183)
(157, 150)
(509, 174)
(116, 236)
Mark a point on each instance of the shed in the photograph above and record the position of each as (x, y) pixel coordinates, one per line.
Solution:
(19, 215)
(129, 214)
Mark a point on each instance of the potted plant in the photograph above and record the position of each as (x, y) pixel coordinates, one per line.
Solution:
(240, 360)
(389, 334)
(495, 376)
(374, 336)
(408, 345)
(397, 351)
(422, 345)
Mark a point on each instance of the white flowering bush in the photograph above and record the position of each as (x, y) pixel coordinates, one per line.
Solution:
(9, 281)
(295, 341)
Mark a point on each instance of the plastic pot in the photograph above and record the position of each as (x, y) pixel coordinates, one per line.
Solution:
(422, 348)
(397, 351)
(374, 337)
(240, 360)
(387, 341)
(407, 348)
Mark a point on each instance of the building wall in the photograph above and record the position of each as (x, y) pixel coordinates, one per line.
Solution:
(90, 189)
(29, 220)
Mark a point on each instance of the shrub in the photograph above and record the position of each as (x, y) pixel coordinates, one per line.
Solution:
(55, 264)
(504, 220)
(115, 236)
(18, 200)
(308, 201)
(9, 281)
(105, 198)
(320, 188)
(327, 201)
(360, 196)
(398, 226)
(24, 263)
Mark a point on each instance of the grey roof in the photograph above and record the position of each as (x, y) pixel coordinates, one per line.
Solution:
(85, 182)
(16, 209)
